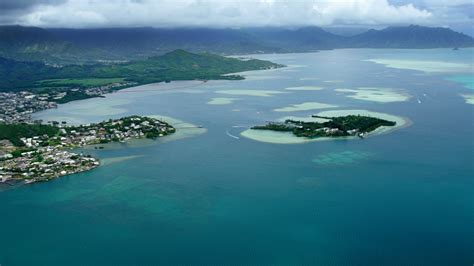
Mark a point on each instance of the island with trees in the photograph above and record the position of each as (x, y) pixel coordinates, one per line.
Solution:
(342, 126)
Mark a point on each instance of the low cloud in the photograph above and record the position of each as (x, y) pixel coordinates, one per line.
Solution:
(216, 13)
(236, 13)
(19, 6)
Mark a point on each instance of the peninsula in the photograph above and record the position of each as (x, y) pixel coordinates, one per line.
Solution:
(27, 87)
(36, 152)
(341, 126)
(65, 83)
(31, 151)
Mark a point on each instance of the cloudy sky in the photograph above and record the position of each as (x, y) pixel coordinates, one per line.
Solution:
(457, 14)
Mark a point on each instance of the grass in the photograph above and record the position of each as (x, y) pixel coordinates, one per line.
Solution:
(176, 65)
(86, 82)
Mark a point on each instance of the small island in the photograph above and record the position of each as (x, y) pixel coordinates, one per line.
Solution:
(341, 126)
(36, 152)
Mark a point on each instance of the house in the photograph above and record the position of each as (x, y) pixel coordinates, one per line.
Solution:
(5, 156)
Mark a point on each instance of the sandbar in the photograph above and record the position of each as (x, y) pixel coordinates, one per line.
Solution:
(381, 95)
(305, 88)
(222, 101)
(303, 118)
(425, 66)
(183, 129)
(334, 81)
(256, 93)
(305, 107)
(119, 159)
(467, 81)
(469, 98)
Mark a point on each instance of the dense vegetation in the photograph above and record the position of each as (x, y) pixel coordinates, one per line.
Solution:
(350, 122)
(14, 132)
(74, 96)
(176, 65)
(335, 126)
(414, 37)
(37, 44)
(84, 83)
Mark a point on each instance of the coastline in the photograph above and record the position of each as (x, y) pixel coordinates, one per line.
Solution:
(273, 137)
(46, 156)
(185, 129)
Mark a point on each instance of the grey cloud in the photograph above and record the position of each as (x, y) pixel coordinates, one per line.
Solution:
(467, 9)
(24, 5)
(233, 13)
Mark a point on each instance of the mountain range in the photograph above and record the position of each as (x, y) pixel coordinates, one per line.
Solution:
(72, 46)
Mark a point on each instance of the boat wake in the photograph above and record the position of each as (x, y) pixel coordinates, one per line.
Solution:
(230, 135)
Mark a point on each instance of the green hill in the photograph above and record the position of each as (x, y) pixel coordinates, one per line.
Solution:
(176, 65)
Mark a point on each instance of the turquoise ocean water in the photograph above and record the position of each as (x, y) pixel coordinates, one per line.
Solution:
(217, 198)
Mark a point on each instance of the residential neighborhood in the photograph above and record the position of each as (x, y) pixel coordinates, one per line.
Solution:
(43, 157)
(18, 106)
(44, 164)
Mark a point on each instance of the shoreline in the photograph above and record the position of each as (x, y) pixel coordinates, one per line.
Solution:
(46, 156)
(275, 137)
(130, 89)
(30, 118)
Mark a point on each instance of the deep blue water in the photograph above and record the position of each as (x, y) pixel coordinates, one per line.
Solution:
(404, 198)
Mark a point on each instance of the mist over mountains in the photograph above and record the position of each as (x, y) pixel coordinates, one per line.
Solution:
(72, 46)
